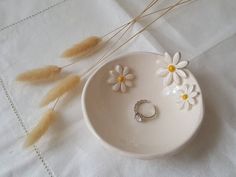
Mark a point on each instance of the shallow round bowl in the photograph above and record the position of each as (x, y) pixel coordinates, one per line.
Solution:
(110, 115)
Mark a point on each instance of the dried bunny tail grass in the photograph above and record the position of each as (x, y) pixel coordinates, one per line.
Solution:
(63, 86)
(83, 48)
(43, 125)
(39, 74)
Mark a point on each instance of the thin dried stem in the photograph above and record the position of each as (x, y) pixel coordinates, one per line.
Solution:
(101, 59)
(148, 7)
(131, 21)
(141, 17)
(140, 31)
(134, 19)
(55, 104)
(121, 28)
(163, 9)
(126, 24)
(104, 42)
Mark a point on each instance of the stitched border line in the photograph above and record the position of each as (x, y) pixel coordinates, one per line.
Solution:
(21, 122)
(31, 16)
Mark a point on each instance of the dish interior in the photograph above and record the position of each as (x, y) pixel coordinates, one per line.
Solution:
(110, 114)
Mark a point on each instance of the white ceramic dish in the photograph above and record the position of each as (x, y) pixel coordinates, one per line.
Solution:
(109, 115)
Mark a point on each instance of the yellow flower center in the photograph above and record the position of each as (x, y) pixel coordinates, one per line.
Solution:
(121, 79)
(171, 68)
(184, 96)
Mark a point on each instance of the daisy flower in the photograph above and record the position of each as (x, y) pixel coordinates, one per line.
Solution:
(187, 97)
(121, 78)
(173, 69)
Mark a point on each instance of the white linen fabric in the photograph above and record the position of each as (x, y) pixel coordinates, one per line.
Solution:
(204, 31)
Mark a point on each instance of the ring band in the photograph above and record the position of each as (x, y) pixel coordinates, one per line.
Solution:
(139, 116)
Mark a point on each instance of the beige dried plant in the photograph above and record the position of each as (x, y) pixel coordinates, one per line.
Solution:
(43, 125)
(44, 73)
(86, 47)
(83, 48)
(60, 89)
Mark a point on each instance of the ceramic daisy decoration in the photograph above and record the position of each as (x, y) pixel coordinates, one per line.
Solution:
(187, 97)
(120, 78)
(172, 69)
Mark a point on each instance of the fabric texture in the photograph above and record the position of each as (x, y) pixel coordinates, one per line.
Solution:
(204, 31)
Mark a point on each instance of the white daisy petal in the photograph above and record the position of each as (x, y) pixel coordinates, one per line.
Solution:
(123, 87)
(176, 58)
(176, 78)
(190, 89)
(126, 70)
(167, 58)
(193, 94)
(182, 64)
(191, 101)
(168, 79)
(113, 73)
(116, 87)
(129, 76)
(181, 104)
(119, 69)
(180, 92)
(181, 73)
(128, 83)
(179, 100)
(112, 80)
(187, 105)
(185, 88)
(162, 72)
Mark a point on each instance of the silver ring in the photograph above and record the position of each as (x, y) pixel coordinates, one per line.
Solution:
(139, 116)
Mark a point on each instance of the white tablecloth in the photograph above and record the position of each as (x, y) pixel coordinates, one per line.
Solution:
(205, 33)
